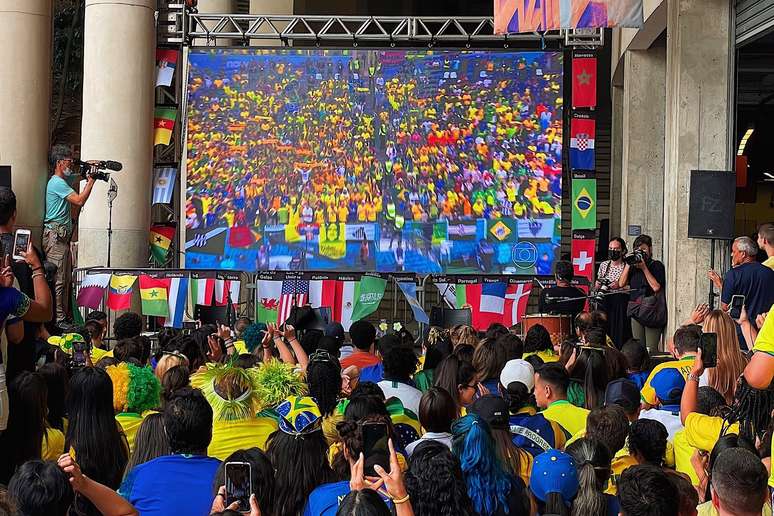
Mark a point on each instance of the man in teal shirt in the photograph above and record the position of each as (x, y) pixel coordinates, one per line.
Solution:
(58, 224)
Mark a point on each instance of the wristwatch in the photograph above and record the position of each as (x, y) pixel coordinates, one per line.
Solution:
(693, 377)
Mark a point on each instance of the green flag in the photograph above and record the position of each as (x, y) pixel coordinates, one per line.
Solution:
(584, 204)
(77, 317)
(369, 296)
(440, 232)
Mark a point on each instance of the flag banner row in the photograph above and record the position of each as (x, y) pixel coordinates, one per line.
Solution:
(349, 298)
(489, 301)
(512, 17)
(165, 294)
(339, 276)
(166, 63)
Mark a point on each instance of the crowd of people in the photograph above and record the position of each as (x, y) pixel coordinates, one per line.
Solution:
(364, 136)
(330, 423)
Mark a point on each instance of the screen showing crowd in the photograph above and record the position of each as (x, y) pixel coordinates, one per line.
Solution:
(383, 160)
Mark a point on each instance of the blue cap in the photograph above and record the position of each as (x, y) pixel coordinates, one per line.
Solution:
(554, 472)
(623, 392)
(668, 384)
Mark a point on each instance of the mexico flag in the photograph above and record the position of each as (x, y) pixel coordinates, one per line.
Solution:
(164, 124)
(153, 294)
(201, 291)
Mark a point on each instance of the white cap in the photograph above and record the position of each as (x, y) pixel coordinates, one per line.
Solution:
(518, 370)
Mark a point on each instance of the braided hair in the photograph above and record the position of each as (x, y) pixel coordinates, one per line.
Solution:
(434, 481)
(751, 409)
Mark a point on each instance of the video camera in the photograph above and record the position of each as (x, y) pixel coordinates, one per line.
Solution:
(635, 257)
(97, 171)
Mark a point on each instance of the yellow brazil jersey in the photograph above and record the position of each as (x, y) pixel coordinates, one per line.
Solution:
(683, 365)
(230, 436)
(130, 423)
(546, 355)
(703, 432)
(53, 444)
(621, 462)
(765, 340)
(683, 454)
(769, 262)
(707, 509)
(572, 419)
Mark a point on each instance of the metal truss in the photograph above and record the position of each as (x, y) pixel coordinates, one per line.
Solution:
(197, 29)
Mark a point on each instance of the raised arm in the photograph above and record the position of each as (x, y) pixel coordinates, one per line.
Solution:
(107, 501)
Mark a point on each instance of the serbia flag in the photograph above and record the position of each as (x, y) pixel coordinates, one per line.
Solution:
(582, 134)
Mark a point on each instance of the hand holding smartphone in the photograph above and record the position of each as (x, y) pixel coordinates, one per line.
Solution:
(239, 484)
(375, 447)
(709, 349)
(735, 307)
(21, 243)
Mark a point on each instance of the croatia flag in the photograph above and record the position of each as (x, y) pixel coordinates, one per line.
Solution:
(582, 135)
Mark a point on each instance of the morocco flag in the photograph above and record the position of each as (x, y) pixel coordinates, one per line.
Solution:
(153, 294)
(160, 240)
(584, 81)
(164, 124)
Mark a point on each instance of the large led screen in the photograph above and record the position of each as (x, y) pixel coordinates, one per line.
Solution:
(374, 160)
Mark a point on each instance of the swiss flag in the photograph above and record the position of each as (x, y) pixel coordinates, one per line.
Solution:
(584, 81)
(583, 257)
(516, 299)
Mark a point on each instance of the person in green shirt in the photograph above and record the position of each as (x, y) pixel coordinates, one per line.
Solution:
(58, 225)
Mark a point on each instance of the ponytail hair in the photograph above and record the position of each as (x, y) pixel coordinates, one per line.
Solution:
(554, 505)
(487, 482)
(592, 458)
(517, 395)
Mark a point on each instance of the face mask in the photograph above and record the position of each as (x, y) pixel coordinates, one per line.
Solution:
(68, 172)
(614, 254)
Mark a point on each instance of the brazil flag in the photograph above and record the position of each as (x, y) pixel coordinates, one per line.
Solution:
(584, 204)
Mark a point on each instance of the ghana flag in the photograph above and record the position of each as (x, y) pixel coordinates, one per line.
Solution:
(160, 240)
(153, 293)
(164, 124)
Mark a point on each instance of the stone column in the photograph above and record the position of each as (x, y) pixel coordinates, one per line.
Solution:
(642, 129)
(118, 98)
(699, 78)
(25, 75)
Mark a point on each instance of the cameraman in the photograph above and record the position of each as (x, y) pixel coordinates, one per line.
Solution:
(58, 221)
(645, 278)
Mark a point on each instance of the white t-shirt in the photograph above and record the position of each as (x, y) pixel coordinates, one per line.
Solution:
(668, 418)
(441, 437)
(407, 394)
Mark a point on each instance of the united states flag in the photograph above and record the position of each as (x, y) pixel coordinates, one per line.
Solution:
(294, 293)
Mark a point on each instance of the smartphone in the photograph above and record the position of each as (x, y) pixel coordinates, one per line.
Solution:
(239, 484)
(376, 449)
(735, 308)
(709, 349)
(21, 243)
(79, 354)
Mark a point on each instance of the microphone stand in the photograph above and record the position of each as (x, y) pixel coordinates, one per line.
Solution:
(111, 195)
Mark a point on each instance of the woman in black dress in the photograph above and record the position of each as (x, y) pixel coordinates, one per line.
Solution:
(619, 328)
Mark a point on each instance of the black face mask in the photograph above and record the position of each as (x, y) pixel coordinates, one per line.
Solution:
(614, 254)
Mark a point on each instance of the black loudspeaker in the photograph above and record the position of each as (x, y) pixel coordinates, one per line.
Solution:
(450, 317)
(5, 176)
(712, 206)
(212, 314)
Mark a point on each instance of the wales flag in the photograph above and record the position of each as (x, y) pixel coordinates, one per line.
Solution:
(153, 294)
(584, 203)
(369, 296)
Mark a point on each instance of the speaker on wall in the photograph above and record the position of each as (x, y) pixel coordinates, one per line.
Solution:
(712, 204)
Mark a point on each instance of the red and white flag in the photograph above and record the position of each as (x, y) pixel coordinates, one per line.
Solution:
(294, 293)
(225, 289)
(582, 252)
(92, 290)
(516, 300)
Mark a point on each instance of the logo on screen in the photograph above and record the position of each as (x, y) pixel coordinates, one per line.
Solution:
(524, 255)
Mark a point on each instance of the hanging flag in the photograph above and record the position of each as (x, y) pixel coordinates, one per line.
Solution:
(322, 293)
(503, 230)
(241, 236)
(584, 203)
(584, 80)
(346, 294)
(333, 240)
(166, 62)
(153, 294)
(77, 316)
(486, 302)
(267, 306)
(449, 292)
(201, 291)
(582, 136)
(164, 124)
(120, 292)
(511, 16)
(409, 289)
(516, 300)
(92, 290)
(163, 184)
(369, 296)
(582, 252)
(160, 239)
(226, 289)
(294, 293)
(176, 298)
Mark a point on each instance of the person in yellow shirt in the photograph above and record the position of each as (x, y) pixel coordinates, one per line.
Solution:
(683, 348)
(738, 485)
(136, 391)
(766, 242)
(551, 384)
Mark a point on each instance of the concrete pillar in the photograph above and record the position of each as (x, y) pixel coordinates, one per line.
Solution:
(699, 78)
(118, 98)
(616, 161)
(25, 100)
(642, 129)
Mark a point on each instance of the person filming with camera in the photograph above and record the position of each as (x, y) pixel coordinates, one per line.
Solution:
(58, 220)
(646, 278)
